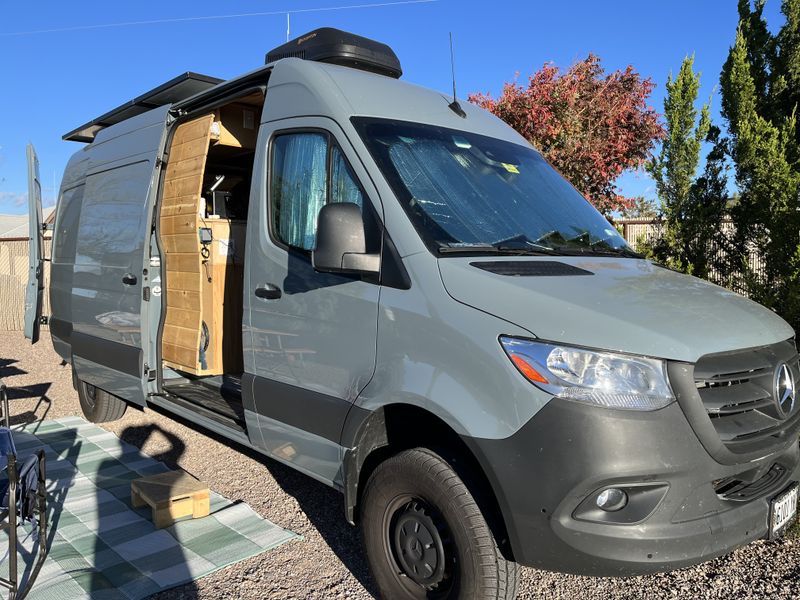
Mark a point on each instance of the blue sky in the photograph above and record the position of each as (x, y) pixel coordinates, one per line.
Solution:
(53, 82)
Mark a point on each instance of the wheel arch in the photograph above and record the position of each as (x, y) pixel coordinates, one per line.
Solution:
(372, 437)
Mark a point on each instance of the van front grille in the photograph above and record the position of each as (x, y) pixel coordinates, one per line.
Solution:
(738, 391)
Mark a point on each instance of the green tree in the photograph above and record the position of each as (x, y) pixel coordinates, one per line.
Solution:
(690, 207)
(764, 148)
(640, 208)
(761, 51)
(785, 90)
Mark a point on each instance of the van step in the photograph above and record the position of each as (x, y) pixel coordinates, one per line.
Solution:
(228, 386)
(223, 400)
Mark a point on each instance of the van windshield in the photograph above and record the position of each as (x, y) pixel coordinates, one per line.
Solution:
(468, 193)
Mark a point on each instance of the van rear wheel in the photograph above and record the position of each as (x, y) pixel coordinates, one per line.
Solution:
(99, 406)
(425, 536)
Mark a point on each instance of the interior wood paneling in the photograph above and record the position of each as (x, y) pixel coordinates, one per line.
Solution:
(180, 220)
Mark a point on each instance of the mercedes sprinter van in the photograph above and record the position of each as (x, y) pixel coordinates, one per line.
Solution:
(395, 294)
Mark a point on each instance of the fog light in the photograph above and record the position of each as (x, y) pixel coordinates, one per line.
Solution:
(612, 499)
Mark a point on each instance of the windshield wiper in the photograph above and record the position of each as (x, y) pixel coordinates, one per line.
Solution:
(500, 250)
(577, 250)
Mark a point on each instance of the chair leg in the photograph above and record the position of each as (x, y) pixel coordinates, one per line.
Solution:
(42, 502)
(12, 523)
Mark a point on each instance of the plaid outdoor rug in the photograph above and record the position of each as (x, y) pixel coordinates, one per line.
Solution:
(101, 547)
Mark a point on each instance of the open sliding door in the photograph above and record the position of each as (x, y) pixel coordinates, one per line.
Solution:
(113, 254)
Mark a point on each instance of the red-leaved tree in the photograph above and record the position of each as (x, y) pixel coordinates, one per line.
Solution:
(590, 125)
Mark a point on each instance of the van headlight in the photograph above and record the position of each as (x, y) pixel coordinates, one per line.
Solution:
(592, 376)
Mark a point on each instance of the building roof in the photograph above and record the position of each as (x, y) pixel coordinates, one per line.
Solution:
(16, 226)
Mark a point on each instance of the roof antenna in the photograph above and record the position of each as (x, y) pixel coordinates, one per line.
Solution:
(288, 25)
(454, 105)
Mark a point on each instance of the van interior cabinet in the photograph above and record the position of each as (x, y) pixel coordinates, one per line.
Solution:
(221, 298)
(235, 125)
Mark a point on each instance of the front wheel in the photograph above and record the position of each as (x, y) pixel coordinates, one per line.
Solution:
(425, 535)
(99, 406)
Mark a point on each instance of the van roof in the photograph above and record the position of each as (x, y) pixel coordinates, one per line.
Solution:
(313, 87)
(176, 89)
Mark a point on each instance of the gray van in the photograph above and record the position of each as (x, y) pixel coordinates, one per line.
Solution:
(395, 294)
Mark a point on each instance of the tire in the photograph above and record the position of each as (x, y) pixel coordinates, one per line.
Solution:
(425, 536)
(99, 406)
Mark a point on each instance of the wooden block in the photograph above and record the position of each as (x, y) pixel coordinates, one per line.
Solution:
(136, 499)
(171, 495)
(201, 505)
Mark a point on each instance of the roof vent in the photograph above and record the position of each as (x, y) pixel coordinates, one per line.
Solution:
(341, 48)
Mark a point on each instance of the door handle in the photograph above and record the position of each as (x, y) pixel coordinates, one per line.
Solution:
(268, 291)
(129, 279)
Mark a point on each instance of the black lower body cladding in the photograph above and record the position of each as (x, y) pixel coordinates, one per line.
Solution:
(547, 477)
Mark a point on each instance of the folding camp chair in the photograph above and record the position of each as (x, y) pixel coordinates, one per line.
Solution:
(22, 498)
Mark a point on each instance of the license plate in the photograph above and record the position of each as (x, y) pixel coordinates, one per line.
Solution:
(782, 512)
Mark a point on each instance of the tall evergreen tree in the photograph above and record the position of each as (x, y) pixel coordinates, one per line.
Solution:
(786, 63)
(763, 146)
(690, 208)
(760, 47)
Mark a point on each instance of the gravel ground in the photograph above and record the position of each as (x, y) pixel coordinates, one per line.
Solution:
(328, 562)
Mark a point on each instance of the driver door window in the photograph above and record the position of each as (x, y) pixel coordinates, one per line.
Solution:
(307, 171)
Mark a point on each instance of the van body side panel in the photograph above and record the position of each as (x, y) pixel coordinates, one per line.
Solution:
(65, 242)
(445, 358)
(310, 352)
(111, 255)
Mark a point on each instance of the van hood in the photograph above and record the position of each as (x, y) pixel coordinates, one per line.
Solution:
(627, 305)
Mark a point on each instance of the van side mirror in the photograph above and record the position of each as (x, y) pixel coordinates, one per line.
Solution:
(341, 241)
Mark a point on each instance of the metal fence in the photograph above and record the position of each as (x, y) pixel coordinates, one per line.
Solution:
(638, 231)
(14, 278)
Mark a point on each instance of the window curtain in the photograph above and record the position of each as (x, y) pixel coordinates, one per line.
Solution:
(343, 186)
(299, 182)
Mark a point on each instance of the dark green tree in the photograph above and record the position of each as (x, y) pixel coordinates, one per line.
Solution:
(785, 90)
(690, 207)
(761, 50)
(764, 251)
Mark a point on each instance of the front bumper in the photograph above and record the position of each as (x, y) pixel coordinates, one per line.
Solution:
(551, 469)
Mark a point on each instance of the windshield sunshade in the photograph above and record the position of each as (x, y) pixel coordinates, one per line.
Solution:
(471, 193)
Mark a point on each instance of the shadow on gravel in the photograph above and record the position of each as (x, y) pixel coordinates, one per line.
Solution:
(138, 436)
(323, 506)
(22, 392)
(7, 368)
(32, 416)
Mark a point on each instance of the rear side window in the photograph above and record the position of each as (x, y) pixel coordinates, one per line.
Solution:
(65, 237)
(112, 221)
(307, 171)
